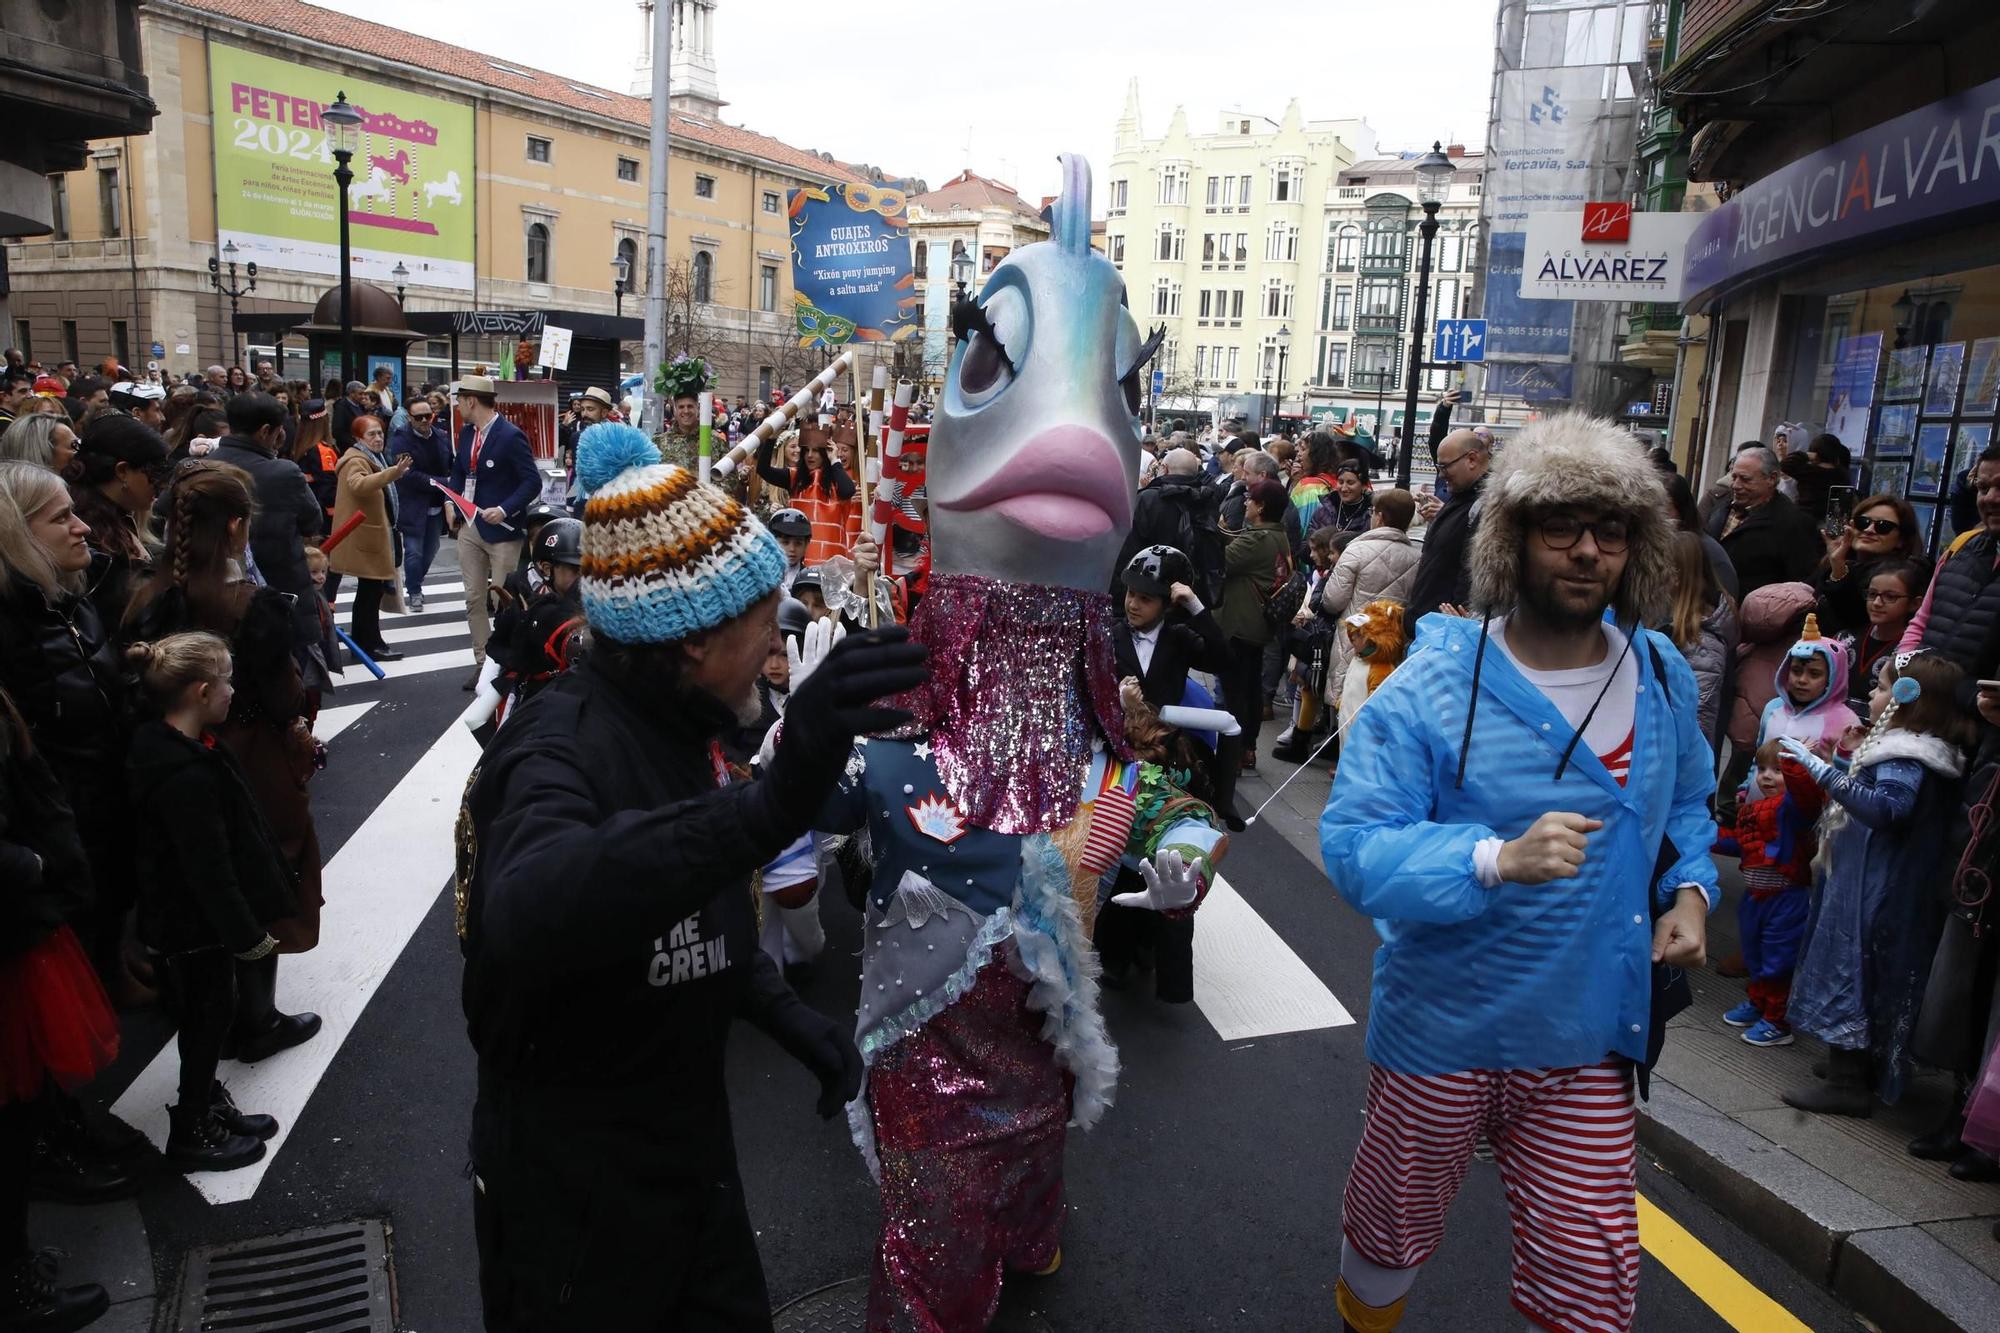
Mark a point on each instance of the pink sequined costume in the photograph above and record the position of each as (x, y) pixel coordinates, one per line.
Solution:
(997, 815)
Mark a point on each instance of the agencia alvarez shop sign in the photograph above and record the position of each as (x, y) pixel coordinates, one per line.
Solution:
(1605, 253)
(1931, 163)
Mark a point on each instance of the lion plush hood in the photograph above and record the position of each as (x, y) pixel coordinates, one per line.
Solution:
(1575, 459)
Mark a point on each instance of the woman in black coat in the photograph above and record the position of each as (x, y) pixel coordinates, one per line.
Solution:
(1880, 528)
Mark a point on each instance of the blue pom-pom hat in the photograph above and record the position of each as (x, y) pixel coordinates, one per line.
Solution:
(664, 557)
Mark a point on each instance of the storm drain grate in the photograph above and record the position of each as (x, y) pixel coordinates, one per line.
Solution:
(843, 1308)
(333, 1279)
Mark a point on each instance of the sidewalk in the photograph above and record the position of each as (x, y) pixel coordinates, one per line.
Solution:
(1907, 1246)
(103, 1243)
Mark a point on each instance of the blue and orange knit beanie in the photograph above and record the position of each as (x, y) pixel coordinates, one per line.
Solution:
(664, 557)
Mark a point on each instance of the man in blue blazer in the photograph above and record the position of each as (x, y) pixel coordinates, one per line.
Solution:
(493, 466)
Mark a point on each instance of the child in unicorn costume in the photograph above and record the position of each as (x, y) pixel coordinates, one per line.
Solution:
(995, 816)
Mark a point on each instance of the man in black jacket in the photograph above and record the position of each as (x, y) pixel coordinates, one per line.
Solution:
(609, 928)
(1171, 511)
(1767, 537)
(1443, 576)
(288, 517)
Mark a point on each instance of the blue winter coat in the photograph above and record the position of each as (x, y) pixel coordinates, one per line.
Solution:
(1877, 916)
(1517, 976)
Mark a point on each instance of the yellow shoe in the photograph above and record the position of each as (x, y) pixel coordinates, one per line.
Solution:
(1054, 1264)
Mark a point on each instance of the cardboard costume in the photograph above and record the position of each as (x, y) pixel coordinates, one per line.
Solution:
(997, 814)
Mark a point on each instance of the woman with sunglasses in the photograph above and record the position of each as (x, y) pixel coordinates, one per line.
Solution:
(1881, 527)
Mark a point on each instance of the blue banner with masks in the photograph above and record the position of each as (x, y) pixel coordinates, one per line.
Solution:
(852, 278)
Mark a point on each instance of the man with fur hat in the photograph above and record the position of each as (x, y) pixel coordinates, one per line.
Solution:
(608, 923)
(1521, 807)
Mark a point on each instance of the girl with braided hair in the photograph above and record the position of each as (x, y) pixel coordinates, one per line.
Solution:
(199, 584)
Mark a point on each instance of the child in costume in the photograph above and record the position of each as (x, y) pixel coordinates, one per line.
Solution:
(1773, 837)
(1810, 706)
(1876, 924)
(541, 616)
(996, 815)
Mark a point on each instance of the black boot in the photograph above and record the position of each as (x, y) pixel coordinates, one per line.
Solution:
(1942, 1144)
(1975, 1165)
(103, 1138)
(58, 1173)
(261, 1031)
(31, 1302)
(262, 1128)
(200, 1141)
(1845, 1091)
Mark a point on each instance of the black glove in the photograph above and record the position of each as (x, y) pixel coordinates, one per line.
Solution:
(836, 704)
(824, 1047)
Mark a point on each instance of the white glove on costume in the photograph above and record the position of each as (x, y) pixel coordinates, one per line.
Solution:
(1816, 768)
(1171, 884)
(811, 649)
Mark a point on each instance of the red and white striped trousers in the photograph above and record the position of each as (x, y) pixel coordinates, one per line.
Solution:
(1563, 1142)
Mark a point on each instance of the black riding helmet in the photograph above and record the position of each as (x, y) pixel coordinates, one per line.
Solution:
(793, 617)
(1156, 569)
(789, 523)
(560, 542)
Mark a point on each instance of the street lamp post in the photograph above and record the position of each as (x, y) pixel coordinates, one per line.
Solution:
(1284, 349)
(961, 279)
(230, 289)
(401, 276)
(1434, 172)
(621, 275)
(343, 120)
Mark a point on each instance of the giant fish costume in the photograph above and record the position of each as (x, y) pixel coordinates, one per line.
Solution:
(998, 813)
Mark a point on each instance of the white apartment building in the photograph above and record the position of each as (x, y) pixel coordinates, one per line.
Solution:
(1356, 335)
(1217, 236)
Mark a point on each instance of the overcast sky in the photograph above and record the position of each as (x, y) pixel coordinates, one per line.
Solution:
(928, 87)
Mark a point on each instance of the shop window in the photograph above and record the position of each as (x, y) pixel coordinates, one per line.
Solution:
(704, 277)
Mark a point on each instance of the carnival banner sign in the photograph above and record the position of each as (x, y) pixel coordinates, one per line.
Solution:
(1938, 160)
(852, 278)
(412, 197)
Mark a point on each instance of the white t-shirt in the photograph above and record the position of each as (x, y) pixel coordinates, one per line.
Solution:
(1611, 730)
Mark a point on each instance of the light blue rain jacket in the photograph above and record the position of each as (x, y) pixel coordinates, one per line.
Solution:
(1518, 976)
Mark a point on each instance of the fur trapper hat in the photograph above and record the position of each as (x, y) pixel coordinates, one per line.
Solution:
(1575, 459)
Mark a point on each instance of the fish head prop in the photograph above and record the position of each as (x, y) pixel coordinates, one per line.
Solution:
(1034, 453)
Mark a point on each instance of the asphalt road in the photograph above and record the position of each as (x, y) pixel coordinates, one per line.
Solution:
(1207, 1198)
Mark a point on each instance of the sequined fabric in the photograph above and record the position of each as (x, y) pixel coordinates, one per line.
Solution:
(970, 1116)
(1021, 678)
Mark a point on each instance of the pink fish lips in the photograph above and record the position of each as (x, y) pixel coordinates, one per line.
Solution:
(1066, 484)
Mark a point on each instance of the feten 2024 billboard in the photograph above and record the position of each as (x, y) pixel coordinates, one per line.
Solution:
(411, 201)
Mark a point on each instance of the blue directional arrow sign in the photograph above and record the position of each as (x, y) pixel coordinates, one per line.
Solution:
(1159, 382)
(1459, 340)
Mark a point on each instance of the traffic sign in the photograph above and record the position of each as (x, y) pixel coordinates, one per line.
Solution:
(1459, 340)
(1159, 382)
(158, 349)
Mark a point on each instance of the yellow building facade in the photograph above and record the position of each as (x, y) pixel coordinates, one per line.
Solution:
(554, 187)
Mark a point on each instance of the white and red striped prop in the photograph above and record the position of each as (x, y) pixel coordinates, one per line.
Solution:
(783, 416)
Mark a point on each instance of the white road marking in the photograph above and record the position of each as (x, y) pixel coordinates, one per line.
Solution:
(357, 675)
(1248, 981)
(444, 629)
(332, 721)
(378, 889)
(347, 590)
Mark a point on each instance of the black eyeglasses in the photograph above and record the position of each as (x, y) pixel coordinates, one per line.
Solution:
(1877, 595)
(1562, 531)
(1882, 526)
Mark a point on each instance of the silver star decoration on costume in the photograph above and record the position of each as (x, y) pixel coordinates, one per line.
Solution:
(922, 749)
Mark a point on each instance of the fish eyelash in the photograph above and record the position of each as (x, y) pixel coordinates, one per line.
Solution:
(969, 317)
(1148, 349)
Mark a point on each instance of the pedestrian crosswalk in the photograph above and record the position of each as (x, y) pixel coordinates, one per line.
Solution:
(385, 877)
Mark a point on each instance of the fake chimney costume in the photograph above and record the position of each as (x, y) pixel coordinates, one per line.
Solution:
(998, 813)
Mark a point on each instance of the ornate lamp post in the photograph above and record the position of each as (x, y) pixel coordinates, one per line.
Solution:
(961, 278)
(402, 279)
(342, 120)
(1284, 349)
(621, 271)
(1434, 173)
(230, 289)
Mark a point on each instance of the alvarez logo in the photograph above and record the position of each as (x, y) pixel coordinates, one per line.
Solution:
(1607, 222)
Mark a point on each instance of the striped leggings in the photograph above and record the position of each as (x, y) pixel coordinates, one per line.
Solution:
(1563, 1141)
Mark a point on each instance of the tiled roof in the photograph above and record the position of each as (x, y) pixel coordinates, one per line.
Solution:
(294, 18)
(974, 191)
